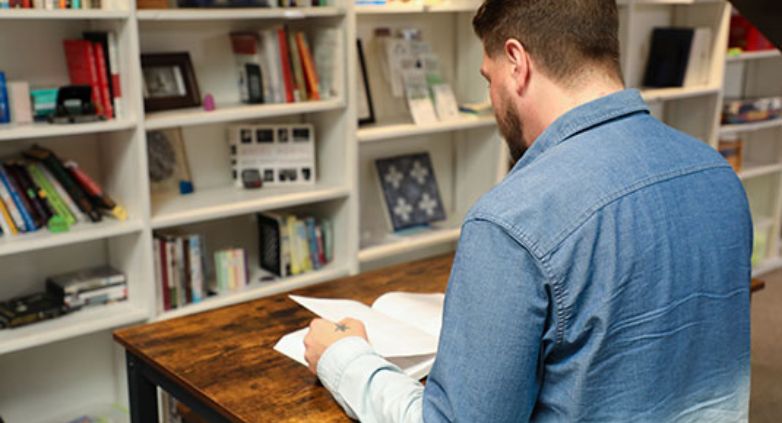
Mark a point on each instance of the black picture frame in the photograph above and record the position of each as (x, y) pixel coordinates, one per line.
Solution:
(366, 115)
(169, 82)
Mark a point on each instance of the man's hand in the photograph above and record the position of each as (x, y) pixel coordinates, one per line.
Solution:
(323, 334)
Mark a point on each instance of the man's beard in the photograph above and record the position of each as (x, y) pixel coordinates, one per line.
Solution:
(512, 130)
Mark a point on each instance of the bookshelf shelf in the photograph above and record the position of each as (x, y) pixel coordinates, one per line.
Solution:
(384, 132)
(190, 15)
(63, 14)
(216, 203)
(753, 170)
(44, 130)
(81, 232)
(750, 127)
(261, 289)
(403, 244)
(677, 93)
(235, 112)
(753, 55)
(75, 324)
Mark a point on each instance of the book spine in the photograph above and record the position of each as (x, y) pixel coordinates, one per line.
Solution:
(40, 194)
(94, 190)
(26, 219)
(309, 67)
(77, 214)
(295, 261)
(6, 222)
(312, 243)
(164, 285)
(186, 272)
(196, 268)
(103, 80)
(299, 87)
(5, 106)
(75, 4)
(158, 273)
(319, 240)
(172, 275)
(287, 77)
(40, 212)
(116, 83)
(16, 216)
(50, 4)
(51, 194)
(272, 58)
(328, 239)
(304, 247)
(220, 272)
(181, 280)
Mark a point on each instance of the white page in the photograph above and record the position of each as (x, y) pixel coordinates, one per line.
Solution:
(292, 346)
(388, 336)
(424, 311)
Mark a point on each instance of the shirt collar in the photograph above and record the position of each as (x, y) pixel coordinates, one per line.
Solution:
(583, 118)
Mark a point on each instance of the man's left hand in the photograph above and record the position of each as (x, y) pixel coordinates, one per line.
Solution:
(323, 334)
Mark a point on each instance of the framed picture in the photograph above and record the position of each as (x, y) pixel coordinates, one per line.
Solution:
(366, 113)
(169, 170)
(169, 82)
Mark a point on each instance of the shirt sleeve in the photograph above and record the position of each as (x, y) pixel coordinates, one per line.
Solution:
(487, 361)
(488, 365)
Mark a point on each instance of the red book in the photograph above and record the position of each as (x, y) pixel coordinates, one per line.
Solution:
(285, 59)
(103, 80)
(164, 273)
(82, 68)
(27, 4)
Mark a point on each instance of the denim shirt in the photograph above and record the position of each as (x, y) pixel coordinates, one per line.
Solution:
(606, 279)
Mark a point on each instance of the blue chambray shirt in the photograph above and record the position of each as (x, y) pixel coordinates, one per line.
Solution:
(606, 279)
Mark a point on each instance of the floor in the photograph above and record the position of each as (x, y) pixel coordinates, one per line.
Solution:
(766, 399)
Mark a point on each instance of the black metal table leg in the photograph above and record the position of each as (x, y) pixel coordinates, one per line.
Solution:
(142, 383)
(142, 392)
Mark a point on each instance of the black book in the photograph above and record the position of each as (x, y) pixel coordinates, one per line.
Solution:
(16, 181)
(254, 82)
(669, 56)
(34, 192)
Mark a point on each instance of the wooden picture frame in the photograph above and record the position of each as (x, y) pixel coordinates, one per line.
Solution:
(169, 82)
(366, 112)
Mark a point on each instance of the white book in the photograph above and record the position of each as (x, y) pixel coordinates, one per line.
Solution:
(402, 327)
(699, 63)
(324, 51)
(19, 99)
(271, 55)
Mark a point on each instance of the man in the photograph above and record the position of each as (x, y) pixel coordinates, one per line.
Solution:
(606, 279)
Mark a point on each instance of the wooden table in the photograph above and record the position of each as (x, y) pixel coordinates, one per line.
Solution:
(221, 363)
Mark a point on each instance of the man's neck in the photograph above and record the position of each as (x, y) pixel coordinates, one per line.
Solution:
(553, 101)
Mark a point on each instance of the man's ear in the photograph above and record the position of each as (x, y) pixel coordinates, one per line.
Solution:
(518, 63)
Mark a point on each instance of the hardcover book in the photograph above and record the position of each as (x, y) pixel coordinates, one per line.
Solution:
(409, 190)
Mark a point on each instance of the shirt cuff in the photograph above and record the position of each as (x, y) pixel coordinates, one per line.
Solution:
(337, 358)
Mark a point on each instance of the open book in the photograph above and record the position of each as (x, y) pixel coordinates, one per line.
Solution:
(404, 328)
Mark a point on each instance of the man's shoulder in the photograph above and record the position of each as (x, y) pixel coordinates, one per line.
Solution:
(543, 202)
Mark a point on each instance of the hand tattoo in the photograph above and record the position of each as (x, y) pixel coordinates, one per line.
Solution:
(341, 328)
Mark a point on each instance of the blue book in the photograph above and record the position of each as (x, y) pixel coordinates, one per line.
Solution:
(5, 107)
(28, 220)
(312, 238)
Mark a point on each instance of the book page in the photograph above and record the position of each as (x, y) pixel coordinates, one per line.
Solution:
(388, 336)
(424, 311)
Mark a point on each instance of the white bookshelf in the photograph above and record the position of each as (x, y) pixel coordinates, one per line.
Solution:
(750, 127)
(467, 154)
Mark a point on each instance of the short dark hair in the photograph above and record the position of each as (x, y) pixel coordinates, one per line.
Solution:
(563, 36)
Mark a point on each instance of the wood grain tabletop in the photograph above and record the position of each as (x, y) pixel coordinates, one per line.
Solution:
(225, 356)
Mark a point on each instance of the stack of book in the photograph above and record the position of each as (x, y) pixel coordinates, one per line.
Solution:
(291, 246)
(41, 191)
(94, 61)
(56, 4)
(230, 270)
(278, 66)
(180, 269)
(88, 287)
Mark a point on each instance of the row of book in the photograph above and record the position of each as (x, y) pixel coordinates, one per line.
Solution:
(290, 245)
(93, 60)
(250, 3)
(180, 269)
(278, 66)
(54, 4)
(41, 191)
